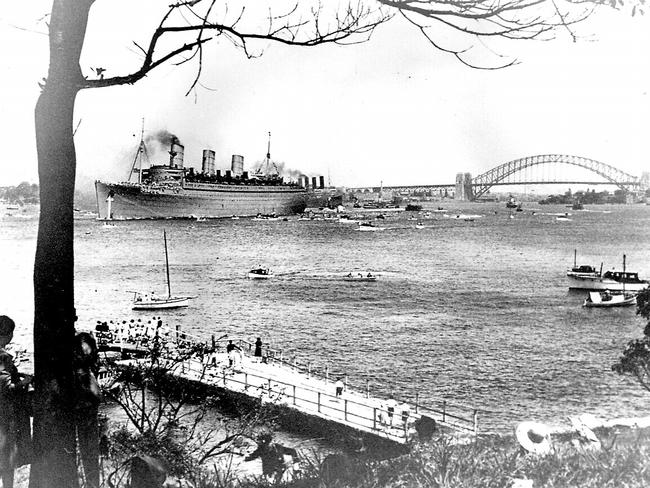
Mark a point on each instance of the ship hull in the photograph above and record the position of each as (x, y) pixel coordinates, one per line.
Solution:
(121, 201)
(602, 284)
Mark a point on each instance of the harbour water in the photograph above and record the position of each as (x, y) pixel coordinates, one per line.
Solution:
(473, 311)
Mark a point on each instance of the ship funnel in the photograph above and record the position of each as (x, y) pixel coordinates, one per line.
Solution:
(208, 162)
(176, 153)
(313, 182)
(237, 165)
(321, 182)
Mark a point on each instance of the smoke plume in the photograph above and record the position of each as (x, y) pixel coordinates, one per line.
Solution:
(161, 139)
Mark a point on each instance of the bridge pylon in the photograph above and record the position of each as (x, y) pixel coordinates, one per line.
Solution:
(464, 188)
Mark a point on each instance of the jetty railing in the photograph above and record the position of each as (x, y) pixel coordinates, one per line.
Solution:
(138, 335)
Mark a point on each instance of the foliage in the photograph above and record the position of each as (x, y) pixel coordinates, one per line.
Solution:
(636, 355)
(492, 462)
(170, 418)
(643, 305)
(23, 193)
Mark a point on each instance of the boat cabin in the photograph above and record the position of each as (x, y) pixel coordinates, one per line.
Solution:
(583, 269)
(623, 277)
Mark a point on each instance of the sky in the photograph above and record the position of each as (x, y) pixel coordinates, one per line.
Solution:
(393, 110)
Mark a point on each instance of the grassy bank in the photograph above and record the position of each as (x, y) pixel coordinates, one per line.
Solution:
(624, 461)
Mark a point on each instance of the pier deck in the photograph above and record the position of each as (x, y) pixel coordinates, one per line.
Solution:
(273, 380)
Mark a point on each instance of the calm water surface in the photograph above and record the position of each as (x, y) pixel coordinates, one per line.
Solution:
(475, 312)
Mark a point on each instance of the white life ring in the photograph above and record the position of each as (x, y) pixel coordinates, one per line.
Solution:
(534, 437)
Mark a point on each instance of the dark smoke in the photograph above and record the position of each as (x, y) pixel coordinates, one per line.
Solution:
(159, 144)
(161, 138)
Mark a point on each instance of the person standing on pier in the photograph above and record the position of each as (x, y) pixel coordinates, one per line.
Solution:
(338, 388)
(258, 350)
(391, 404)
(230, 350)
(405, 408)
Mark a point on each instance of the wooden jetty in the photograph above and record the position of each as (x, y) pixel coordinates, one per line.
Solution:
(298, 387)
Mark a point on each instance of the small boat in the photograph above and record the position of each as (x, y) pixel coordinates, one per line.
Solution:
(260, 274)
(345, 219)
(411, 207)
(369, 227)
(419, 225)
(511, 203)
(359, 277)
(266, 217)
(234, 217)
(608, 299)
(563, 219)
(152, 301)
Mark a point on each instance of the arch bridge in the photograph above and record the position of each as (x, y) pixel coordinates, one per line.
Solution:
(515, 173)
(474, 188)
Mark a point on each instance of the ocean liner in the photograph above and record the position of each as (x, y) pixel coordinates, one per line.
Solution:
(174, 191)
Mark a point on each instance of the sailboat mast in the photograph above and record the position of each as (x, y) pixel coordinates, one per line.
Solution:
(169, 288)
(624, 278)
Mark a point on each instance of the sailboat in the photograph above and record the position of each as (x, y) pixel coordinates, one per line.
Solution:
(608, 299)
(155, 302)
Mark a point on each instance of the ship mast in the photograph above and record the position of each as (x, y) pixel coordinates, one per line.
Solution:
(142, 151)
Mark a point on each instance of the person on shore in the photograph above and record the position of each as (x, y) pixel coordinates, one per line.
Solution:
(15, 432)
(391, 405)
(87, 399)
(272, 456)
(338, 388)
(258, 350)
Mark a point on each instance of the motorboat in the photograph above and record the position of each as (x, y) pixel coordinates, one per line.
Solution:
(359, 277)
(419, 225)
(369, 227)
(586, 277)
(346, 219)
(609, 299)
(143, 301)
(260, 274)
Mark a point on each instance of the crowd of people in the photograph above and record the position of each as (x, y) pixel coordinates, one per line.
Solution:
(16, 407)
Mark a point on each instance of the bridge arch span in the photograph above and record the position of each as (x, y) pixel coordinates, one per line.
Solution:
(483, 182)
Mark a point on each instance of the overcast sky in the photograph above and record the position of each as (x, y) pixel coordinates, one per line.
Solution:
(393, 109)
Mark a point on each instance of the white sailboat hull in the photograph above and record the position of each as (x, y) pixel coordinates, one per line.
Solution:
(161, 303)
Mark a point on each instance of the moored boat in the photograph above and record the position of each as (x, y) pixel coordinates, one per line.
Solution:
(586, 277)
(607, 299)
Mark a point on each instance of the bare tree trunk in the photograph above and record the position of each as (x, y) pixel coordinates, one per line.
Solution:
(54, 463)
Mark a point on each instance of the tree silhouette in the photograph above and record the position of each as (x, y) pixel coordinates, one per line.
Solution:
(181, 35)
